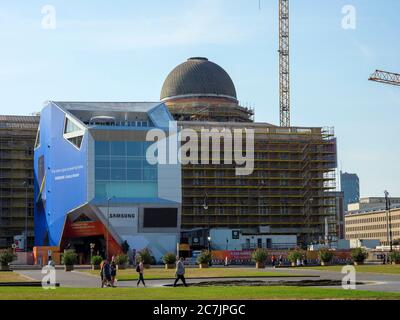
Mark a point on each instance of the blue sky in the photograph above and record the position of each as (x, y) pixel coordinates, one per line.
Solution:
(123, 50)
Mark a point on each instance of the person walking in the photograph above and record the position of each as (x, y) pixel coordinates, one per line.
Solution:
(106, 271)
(113, 267)
(273, 260)
(140, 270)
(180, 272)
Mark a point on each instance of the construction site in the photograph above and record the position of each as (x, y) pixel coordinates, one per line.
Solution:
(17, 138)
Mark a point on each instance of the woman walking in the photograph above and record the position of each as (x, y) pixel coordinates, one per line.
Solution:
(140, 270)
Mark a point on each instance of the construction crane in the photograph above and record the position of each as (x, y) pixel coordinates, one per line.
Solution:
(385, 77)
(284, 75)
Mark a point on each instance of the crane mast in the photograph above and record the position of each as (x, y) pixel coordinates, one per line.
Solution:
(284, 70)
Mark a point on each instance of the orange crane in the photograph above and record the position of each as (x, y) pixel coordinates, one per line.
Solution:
(385, 77)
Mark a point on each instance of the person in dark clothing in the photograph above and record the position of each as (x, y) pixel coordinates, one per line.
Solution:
(106, 272)
(113, 267)
(140, 269)
(180, 272)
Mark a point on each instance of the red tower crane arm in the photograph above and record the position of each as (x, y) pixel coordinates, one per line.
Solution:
(386, 77)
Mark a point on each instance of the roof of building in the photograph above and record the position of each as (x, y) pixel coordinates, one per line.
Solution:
(107, 106)
(198, 77)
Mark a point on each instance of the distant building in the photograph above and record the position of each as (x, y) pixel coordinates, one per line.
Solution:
(372, 204)
(373, 224)
(339, 210)
(350, 186)
(17, 138)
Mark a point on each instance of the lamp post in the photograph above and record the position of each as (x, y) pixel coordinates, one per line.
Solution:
(25, 184)
(205, 206)
(388, 221)
(108, 223)
(92, 245)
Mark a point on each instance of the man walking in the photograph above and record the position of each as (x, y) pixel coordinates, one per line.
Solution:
(180, 272)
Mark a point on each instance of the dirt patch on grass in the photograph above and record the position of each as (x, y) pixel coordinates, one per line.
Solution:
(261, 283)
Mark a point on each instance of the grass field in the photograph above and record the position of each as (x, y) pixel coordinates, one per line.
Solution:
(159, 273)
(191, 293)
(386, 269)
(9, 276)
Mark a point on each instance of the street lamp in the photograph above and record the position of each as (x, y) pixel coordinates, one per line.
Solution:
(205, 206)
(92, 245)
(388, 221)
(108, 223)
(26, 185)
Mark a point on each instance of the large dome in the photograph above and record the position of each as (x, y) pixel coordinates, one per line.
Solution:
(198, 77)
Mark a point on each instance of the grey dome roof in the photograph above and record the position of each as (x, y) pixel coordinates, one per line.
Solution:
(198, 77)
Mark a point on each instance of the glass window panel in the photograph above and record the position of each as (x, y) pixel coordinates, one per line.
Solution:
(101, 189)
(102, 174)
(118, 174)
(134, 163)
(102, 162)
(102, 148)
(118, 162)
(135, 189)
(134, 148)
(118, 148)
(134, 174)
(149, 174)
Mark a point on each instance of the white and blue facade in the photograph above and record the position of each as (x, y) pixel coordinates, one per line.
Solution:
(91, 170)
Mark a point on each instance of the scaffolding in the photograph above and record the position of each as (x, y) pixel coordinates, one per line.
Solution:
(289, 189)
(17, 138)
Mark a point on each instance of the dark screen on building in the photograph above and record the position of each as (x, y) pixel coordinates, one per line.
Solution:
(160, 218)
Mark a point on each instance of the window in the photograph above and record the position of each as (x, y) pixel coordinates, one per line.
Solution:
(73, 132)
(37, 141)
(121, 170)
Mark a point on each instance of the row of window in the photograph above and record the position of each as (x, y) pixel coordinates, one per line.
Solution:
(107, 174)
(371, 227)
(382, 218)
(122, 148)
(372, 235)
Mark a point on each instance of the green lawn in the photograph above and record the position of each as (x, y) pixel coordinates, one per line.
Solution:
(9, 276)
(159, 273)
(387, 269)
(191, 293)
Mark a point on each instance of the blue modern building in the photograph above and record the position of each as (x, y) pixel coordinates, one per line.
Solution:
(350, 186)
(94, 185)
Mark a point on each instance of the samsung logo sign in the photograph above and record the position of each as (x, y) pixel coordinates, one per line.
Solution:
(122, 215)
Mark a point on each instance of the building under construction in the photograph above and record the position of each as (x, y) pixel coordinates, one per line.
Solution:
(17, 138)
(285, 201)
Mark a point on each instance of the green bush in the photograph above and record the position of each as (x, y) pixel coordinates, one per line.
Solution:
(395, 257)
(359, 255)
(294, 255)
(6, 257)
(259, 255)
(325, 255)
(69, 258)
(121, 259)
(204, 257)
(145, 256)
(96, 260)
(169, 258)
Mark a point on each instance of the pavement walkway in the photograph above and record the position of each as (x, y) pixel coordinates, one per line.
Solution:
(374, 282)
